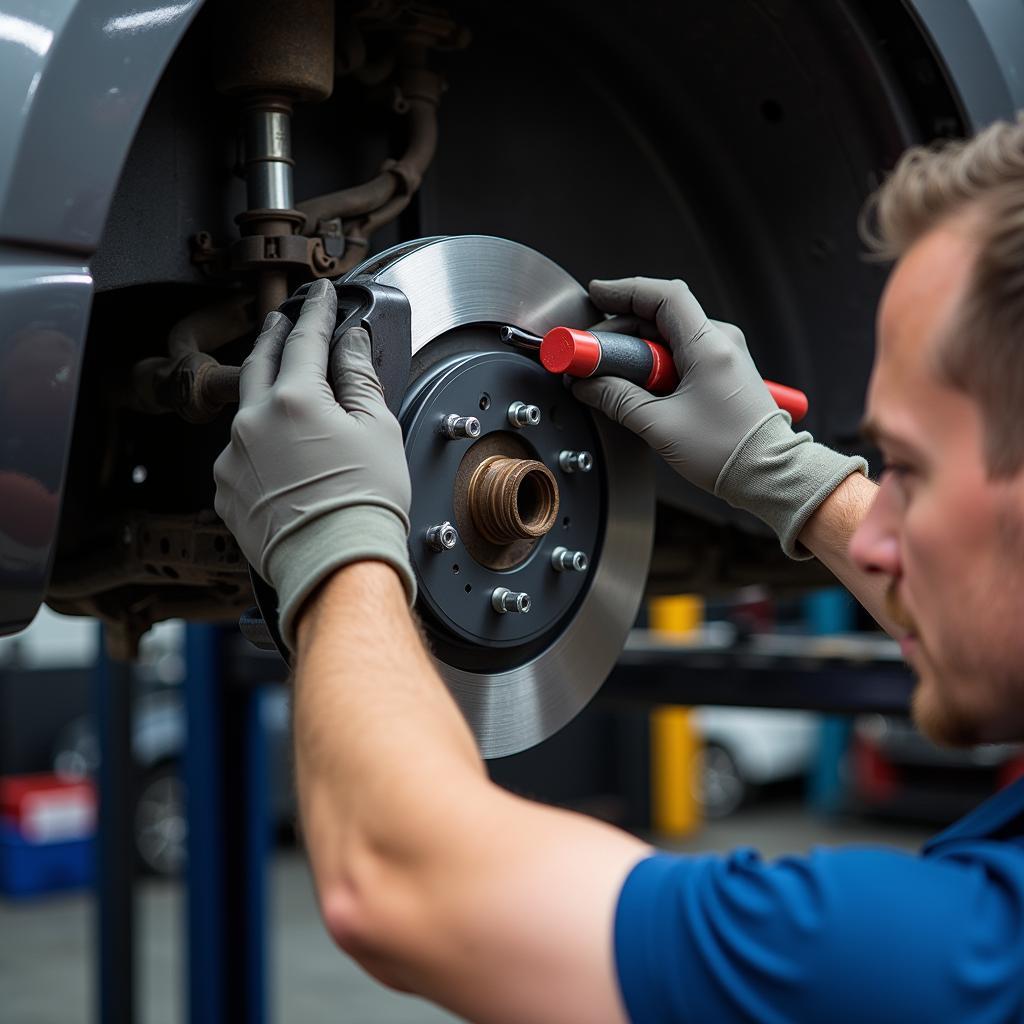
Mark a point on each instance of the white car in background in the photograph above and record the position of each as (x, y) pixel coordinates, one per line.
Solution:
(746, 748)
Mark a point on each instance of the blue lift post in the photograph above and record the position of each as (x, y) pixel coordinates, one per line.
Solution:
(115, 846)
(832, 610)
(226, 781)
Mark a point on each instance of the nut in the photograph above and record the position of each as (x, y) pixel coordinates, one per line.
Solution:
(442, 537)
(522, 415)
(564, 560)
(455, 426)
(575, 462)
(504, 600)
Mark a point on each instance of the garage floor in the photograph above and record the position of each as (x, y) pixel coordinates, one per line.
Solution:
(45, 970)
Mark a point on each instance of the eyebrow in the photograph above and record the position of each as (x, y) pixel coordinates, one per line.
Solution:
(873, 431)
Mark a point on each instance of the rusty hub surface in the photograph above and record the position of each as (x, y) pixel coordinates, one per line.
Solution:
(504, 499)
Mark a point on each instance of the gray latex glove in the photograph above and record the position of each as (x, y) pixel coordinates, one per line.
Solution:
(315, 475)
(720, 428)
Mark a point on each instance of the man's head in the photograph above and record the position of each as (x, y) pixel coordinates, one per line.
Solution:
(946, 407)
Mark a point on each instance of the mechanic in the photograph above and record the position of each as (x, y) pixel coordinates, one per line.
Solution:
(442, 884)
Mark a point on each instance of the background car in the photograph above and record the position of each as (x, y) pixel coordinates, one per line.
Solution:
(895, 771)
(746, 748)
(158, 738)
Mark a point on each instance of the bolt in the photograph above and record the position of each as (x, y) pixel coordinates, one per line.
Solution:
(522, 415)
(442, 537)
(505, 600)
(576, 462)
(564, 560)
(456, 426)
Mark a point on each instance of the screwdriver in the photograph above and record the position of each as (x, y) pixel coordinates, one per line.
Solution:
(603, 354)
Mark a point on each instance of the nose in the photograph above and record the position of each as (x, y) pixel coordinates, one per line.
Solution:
(874, 546)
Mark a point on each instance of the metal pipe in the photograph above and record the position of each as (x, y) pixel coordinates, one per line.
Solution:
(210, 327)
(349, 202)
(271, 290)
(268, 155)
(217, 386)
(382, 198)
(422, 144)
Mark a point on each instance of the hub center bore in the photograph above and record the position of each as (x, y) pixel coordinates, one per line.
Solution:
(513, 499)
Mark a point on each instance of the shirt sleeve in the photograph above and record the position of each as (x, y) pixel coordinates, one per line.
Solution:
(846, 935)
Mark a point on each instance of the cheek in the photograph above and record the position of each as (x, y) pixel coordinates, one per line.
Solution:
(946, 549)
(959, 583)
(927, 559)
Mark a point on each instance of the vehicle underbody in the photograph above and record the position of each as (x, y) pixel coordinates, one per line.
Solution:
(730, 144)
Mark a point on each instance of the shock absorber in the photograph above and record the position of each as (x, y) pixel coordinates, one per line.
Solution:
(268, 177)
(277, 52)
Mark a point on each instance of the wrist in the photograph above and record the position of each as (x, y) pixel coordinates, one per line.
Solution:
(783, 477)
(376, 583)
(833, 522)
(303, 560)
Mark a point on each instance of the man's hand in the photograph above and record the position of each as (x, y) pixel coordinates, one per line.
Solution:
(315, 476)
(720, 428)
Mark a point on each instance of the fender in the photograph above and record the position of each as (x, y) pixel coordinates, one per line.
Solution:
(75, 79)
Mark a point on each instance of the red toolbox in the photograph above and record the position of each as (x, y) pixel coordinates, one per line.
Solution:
(47, 829)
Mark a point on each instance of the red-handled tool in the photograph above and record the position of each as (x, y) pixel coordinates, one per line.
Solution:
(646, 363)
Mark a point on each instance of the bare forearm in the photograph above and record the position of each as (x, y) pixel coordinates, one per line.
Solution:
(827, 536)
(378, 739)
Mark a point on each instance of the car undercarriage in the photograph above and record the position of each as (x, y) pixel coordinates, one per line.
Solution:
(484, 161)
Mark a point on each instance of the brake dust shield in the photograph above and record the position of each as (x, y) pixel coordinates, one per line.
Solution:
(518, 678)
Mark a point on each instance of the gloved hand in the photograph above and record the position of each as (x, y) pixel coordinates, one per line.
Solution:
(720, 428)
(315, 475)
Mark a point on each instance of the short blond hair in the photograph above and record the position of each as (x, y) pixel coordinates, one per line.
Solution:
(981, 182)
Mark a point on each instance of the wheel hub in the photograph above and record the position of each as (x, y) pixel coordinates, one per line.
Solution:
(511, 503)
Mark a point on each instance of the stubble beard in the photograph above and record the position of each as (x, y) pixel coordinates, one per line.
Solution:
(931, 711)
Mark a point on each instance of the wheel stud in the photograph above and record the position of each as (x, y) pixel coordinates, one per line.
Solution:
(504, 600)
(442, 537)
(564, 560)
(455, 426)
(575, 462)
(522, 415)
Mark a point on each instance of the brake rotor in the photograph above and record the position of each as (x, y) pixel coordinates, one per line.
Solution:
(517, 678)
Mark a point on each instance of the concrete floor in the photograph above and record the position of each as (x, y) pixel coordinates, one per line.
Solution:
(45, 967)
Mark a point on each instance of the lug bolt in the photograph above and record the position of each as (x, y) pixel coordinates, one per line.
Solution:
(522, 415)
(505, 600)
(564, 560)
(456, 426)
(442, 537)
(576, 462)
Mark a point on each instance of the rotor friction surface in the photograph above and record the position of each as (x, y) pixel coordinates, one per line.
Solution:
(457, 281)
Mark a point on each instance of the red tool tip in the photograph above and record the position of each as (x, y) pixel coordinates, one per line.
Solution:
(567, 350)
(792, 400)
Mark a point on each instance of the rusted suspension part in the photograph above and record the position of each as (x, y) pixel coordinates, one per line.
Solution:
(189, 380)
(345, 220)
(513, 499)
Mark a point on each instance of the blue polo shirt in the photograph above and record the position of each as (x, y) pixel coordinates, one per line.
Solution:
(859, 935)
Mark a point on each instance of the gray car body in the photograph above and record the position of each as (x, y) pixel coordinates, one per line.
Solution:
(75, 79)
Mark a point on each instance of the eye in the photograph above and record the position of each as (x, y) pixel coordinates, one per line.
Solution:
(898, 471)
